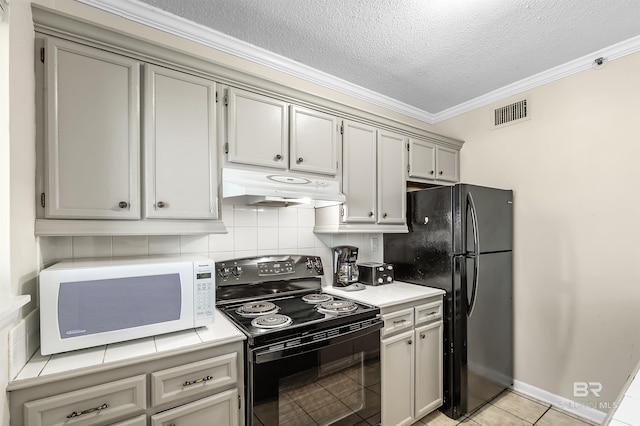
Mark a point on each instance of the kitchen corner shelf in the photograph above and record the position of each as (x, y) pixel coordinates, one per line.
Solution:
(65, 227)
(9, 308)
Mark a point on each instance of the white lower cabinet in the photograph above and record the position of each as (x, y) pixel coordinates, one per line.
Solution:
(219, 409)
(411, 356)
(203, 387)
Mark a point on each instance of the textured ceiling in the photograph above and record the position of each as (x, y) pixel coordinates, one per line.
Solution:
(430, 54)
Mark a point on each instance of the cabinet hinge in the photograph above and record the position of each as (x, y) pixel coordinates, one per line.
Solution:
(226, 100)
(407, 147)
(342, 129)
(42, 199)
(408, 168)
(226, 147)
(216, 96)
(342, 211)
(239, 402)
(42, 55)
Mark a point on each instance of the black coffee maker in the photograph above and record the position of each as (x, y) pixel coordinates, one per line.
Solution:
(345, 270)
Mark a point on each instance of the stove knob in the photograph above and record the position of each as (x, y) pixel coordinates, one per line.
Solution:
(237, 271)
(380, 280)
(224, 273)
(318, 265)
(389, 279)
(390, 267)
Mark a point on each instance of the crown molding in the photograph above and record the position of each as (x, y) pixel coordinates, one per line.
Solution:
(610, 53)
(156, 18)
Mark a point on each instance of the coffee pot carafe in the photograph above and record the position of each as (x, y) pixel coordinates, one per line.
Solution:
(345, 270)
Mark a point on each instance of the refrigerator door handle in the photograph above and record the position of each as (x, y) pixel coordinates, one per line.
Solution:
(476, 254)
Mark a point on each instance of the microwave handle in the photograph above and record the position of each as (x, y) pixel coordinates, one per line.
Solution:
(262, 356)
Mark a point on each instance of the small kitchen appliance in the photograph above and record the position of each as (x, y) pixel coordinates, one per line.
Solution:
(93, 302)
(374, 273)
(305, 349)
(345, 270)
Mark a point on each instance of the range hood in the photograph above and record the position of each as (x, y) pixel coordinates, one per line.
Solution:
(248, 187)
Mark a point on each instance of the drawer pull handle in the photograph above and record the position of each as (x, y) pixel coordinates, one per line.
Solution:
(400, 321)
(90, 410)
(430, 314)
(193, 382)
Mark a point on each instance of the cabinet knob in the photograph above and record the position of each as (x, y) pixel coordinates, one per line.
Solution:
(123, 204)
(384, 216)
(441, 172)
(370, 214)
(422, 336)
(431, 172)
(300, 160)
(278, 157)
(410, 342)
(161, 204)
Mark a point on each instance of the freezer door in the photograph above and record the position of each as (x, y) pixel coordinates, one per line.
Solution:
(483, 219)
(489, 357)
(423, 256)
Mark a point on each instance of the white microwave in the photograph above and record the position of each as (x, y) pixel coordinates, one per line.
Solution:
(93, 302)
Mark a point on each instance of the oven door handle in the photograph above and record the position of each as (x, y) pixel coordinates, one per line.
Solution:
(261, 356)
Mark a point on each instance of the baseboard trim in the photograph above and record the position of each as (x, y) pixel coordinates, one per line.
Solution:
(560, 402)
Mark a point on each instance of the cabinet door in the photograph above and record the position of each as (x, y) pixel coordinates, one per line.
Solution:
(447, 161)
(180, 154)
(313, 141)
(257, 129)
(220, 409)
(359, 172)
(397, 359)
(422, 159)
(428, 368)
(391, 178)
(92, 143)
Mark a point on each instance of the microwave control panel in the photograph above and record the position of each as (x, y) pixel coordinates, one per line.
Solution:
(204, 293)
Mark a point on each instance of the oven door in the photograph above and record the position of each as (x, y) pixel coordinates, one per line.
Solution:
(317, 381)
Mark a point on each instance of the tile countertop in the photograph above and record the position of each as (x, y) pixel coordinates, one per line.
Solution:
(387, 295)
(220, 332)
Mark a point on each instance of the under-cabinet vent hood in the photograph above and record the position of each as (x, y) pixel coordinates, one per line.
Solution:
(249, 187)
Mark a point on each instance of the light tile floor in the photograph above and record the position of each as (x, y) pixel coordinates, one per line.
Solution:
(509, 409)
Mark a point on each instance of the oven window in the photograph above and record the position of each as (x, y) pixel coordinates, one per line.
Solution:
(339, 384)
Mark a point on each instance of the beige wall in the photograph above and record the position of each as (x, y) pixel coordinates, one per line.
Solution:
(574, 171)
(18, 267)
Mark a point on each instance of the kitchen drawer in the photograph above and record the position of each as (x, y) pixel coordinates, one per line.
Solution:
(396, 322)
(136, 421)
(219, 409)
(428, 312)
(96, 405)
(195, 379)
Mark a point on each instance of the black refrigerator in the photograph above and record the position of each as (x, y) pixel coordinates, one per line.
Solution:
(460, 240)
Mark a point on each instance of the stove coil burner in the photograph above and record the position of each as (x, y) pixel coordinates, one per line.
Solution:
(256, 309)
(337, 307)
(271, 321)
(316, 298)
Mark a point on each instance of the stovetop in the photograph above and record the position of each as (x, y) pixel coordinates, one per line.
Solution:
(282, 280)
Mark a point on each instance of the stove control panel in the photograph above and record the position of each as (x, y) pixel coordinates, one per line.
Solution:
(276, 268)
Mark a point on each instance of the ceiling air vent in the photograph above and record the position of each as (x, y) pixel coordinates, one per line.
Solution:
(509, 114)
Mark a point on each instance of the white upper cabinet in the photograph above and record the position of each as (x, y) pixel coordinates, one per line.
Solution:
(313, 141)
(92, 143)
(391, 178)
(257, 129)
(359, 172)
(429, 161)
(179, 145)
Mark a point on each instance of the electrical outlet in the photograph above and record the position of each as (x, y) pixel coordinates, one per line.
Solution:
(374, 244)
